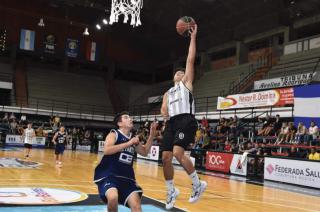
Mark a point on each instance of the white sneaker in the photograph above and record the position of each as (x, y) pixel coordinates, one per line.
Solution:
(197, 191)
(171, 198)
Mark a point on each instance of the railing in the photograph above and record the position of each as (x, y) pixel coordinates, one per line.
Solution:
(263, 61)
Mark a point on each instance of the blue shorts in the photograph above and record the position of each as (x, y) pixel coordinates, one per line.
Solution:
(59, 149)
(124, 186)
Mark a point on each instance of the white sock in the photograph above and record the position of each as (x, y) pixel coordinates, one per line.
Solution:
(195, 179)
(170, 185)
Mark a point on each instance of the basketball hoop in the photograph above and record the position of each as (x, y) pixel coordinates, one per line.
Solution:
(127, 8)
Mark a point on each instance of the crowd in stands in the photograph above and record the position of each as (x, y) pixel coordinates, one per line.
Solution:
(262, 137)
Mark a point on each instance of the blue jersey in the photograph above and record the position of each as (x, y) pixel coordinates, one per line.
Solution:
(61, 138)
(118, 164)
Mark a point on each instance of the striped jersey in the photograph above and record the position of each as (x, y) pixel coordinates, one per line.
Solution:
(28, 135)
(180, 100)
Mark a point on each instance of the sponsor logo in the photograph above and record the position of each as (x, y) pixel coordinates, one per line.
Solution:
(270, 168)
(18, 163)
(239, 165)
(39, 196)
(181, 136)
(216, 160)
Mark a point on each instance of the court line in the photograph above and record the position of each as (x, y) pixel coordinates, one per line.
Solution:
(184, 209)
(246, 200)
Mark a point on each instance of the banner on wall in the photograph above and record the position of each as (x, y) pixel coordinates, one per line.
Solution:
(275, 97)
(16, 140)
(49, 44)
(217, 161)
(153, 154)
(92, 51)
(286, 81)
(238, 165)
(27, 38)
(72, 48)
(307, 104)
(305, 173)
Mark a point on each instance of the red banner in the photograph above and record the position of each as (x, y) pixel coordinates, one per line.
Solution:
(217, 161)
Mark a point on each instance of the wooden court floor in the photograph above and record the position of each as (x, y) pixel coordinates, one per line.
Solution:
(222, 195)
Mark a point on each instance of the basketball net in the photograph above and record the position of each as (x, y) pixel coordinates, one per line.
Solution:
(127, 8)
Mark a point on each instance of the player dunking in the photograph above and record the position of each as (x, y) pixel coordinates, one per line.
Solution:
(60, 140)
(114, 175)
(178, 108)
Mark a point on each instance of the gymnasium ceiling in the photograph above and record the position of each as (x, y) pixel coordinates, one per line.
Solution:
(219, 21)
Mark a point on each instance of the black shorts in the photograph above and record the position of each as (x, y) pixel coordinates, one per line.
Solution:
(29, 146)
(124, 186)
(180, 130)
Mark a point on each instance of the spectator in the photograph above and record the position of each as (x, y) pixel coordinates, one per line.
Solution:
(301, 135)
(227, 147)
(5, 118)
(293, 153)
(292, 133)
(40, 132)
(12, 117)
(314, 155)
(283, 133)
(313, 133)
(204, 123)
(277, 125)
(13, 127)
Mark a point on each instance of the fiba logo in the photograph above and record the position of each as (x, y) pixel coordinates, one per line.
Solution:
(181, 136)
(215, 160)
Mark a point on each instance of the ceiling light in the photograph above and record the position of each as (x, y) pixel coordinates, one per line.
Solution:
(86, 31)
(104, 21)
(98, 26)
(41, 23)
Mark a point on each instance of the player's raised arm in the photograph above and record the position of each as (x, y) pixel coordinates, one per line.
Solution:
(189, 73)
(110, 148)
(145, 149)
(164, 106)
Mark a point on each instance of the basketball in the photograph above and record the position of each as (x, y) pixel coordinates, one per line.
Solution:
(184, 24)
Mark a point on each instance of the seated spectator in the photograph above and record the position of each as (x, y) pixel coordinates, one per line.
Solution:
(293, 153)
(204, 123)
(283, 133)
(265, 150)
(292, 132)
(13, 127)
(40, 132)
(198, 134)
(277, 125)
(206, 140)
(12, 117)
(5, 118)
(227, 147)
(314, 155)
(313, 133)
(301, 135)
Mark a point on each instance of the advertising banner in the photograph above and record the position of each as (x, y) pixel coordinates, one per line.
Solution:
(305, 173)
(286, 81)
(238, 165)
(217, 161)
(153, 154)
(275, 97)
(17, 141)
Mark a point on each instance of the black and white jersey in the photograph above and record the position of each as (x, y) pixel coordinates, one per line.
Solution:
(180, 100)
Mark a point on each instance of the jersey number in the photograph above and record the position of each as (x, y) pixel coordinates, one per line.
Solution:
(125, 158)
